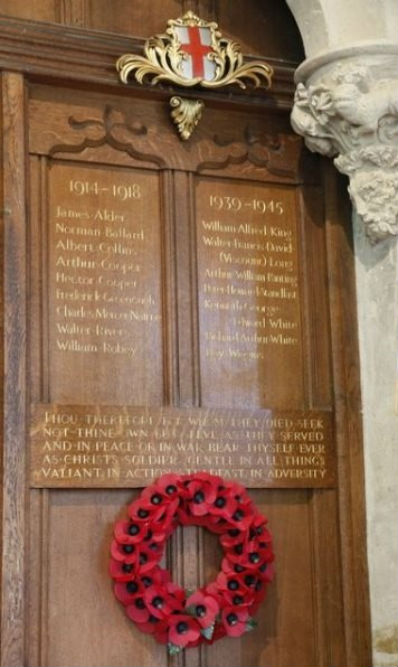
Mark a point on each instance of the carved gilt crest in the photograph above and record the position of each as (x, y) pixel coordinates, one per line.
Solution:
(192, 52)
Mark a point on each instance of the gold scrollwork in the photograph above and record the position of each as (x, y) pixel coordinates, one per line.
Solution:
(167, 58)
(164, 56)
(186, 114)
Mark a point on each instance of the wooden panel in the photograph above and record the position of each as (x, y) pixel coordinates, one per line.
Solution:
(58, 54)
(81, 140)
(273, 641)
(81, 603)
(93, 446)
(137, 18)
(118, 131)
(351, 499)
(13, 393)
(249, 295)
(39, 10)
(104, 285)
(268, 28)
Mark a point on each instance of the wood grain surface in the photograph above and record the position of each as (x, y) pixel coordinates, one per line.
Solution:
(146, 276)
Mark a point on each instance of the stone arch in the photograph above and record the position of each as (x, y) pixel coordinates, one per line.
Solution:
(327, 25)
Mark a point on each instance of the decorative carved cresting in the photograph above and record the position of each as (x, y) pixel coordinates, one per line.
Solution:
(132, 132)
(350, 112)
(114, 129)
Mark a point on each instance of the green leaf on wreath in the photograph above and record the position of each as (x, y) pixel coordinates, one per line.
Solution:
(173, 649)
(251, 624)
(208, 632)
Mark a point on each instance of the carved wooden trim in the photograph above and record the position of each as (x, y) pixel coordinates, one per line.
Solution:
(108, 126)
(259, 151)
(77, 54)
(345, 368)
(14, 404)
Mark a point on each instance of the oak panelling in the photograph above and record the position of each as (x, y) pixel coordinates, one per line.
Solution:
(189, 389)
(38, 10)
(73, 616)
(345, 364)
(58, 54)
(136, 18)
(141, 132)
(317, 317)
(249, 295)
(269, 28)
(274, 641)
(327, 573)
(14, 496)
(82, 605)
(107, 328)
(72, 12)
(79, 367)
(323, 514)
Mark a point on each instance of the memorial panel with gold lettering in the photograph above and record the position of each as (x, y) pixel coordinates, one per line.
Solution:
(108, 446)
(104, 284)
(249, 294)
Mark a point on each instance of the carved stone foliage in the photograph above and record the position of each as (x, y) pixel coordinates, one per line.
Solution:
(350, 112)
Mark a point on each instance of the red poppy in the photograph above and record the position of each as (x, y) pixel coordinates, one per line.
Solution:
(121, 571)
(137, 611)
(143, 512)
(168, 486)
(204, 608)
(234, 590)
(234, 621)
(201, 494)
(266, 572)
(125, 553)
(242, 517)
(155, 626)
(150, 553)
(224, 505)
(176, 591)
(233, 536)
(128, 532)
(128, 592)
(183, 630)
(159, 604)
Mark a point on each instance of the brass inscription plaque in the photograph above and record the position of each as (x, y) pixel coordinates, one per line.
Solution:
(249, 294)
(104, 284)
(92, 446)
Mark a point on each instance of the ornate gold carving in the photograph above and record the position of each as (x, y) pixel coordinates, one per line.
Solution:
(192, 52)
(186, 114)
(165, 57)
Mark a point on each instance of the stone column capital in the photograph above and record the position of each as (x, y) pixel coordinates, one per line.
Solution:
(346, 107)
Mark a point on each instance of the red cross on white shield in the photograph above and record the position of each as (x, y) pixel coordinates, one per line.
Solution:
(196, 43)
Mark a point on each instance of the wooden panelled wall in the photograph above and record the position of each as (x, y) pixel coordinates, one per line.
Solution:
(102, 202)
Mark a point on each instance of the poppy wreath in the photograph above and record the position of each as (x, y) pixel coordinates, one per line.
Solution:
(152, 600)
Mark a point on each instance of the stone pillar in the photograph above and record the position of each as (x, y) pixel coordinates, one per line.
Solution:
(346, 107)
(377, 302)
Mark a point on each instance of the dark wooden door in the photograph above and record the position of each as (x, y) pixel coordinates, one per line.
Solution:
(147, 274)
